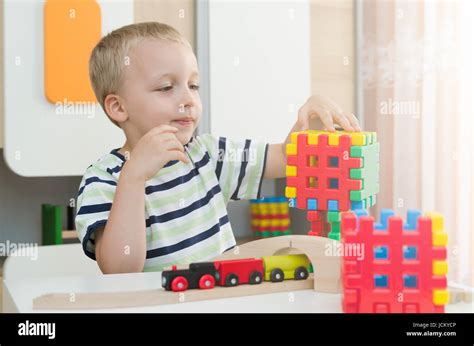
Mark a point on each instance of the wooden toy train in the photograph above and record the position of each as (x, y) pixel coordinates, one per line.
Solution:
(206, 275)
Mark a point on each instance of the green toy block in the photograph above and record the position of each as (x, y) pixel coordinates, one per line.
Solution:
(368, 174)
(334, 216)
(51, 224)
(334, 236)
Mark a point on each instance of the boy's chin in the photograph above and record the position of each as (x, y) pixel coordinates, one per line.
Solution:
(185, 136)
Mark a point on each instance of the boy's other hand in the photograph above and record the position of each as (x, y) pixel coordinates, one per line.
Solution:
(154, 150)
(325, 110)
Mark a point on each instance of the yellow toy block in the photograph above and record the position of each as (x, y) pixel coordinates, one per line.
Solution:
(440, 267)
(358, 139)
(440, 297)
(290, 192)
(291, 171)
(436, 220)
(313, 138)
(291, 149)
(333, 139)
(440, 239)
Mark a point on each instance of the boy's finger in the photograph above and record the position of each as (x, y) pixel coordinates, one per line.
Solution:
(178, 155)
(172, 144)
(344, 122)
(327, 121)
(353, 120)
(303, 117)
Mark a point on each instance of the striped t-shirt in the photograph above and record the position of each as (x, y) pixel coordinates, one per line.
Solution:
(185, 204)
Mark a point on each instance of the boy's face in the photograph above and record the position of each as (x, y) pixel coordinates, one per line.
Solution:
(160, 87)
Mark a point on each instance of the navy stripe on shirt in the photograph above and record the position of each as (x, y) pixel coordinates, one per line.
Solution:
(184, 211)
(179, 180)
(94, 208)
(95, 180)
(220, 156)
(116, 169)
(91, 229)
(243, 167)
(166, 250)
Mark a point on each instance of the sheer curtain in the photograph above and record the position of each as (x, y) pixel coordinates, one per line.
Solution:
(417, 93)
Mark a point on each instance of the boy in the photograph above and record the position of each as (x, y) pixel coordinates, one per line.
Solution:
(161, 198)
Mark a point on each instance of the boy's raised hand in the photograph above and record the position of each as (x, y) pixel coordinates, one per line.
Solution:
(322, 108)
(154, 150)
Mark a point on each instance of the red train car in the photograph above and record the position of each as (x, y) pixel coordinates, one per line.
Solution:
(240, 271)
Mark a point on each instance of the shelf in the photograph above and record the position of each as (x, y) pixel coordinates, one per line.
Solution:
(66, 234)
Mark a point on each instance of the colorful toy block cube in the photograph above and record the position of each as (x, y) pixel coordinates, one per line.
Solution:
(401, 268)
(270, 217)
(332, 171)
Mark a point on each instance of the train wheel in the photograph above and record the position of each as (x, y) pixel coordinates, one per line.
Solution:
(179, 284)
(231, 280)
(276, 275)
(207, 281)
(301, 273)
(255, 278)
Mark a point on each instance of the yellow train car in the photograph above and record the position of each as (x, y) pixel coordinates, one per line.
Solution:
(279, 268)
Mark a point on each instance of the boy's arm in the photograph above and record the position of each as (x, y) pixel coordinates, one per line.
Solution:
(317, 113)
(121, 245)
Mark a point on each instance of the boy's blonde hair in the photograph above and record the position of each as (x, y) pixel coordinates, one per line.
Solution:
(106, 64)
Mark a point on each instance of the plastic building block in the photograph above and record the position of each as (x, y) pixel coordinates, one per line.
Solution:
(51, 218)
(332, 171)
(402, 267)
(270, 217)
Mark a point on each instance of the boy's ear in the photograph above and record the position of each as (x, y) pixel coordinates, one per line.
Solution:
(115, 109)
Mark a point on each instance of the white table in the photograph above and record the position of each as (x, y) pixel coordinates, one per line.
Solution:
(18, 296)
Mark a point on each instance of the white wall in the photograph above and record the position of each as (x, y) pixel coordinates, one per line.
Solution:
(38, 140)
(259, 61)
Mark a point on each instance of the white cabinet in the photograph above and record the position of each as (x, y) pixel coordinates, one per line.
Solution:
(258, 59)
(39, 138)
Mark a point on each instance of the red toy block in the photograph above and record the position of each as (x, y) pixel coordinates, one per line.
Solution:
(321, 190)
(390, 280)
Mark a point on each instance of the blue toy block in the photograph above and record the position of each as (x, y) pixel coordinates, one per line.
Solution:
(380, 281)
(333, 183)
(381, 252)
(384, 215)
(409, 281)
(333, 161)
(292, 202)
(361, 212)
(409, 252)
(312, 204)
(333, 205)
(357, 205)
(412, 216)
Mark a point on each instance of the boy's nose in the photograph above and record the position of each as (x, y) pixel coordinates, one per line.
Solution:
(187, 98)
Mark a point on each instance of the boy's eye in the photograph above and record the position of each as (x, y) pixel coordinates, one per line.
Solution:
(166, 88)
(195, 87)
